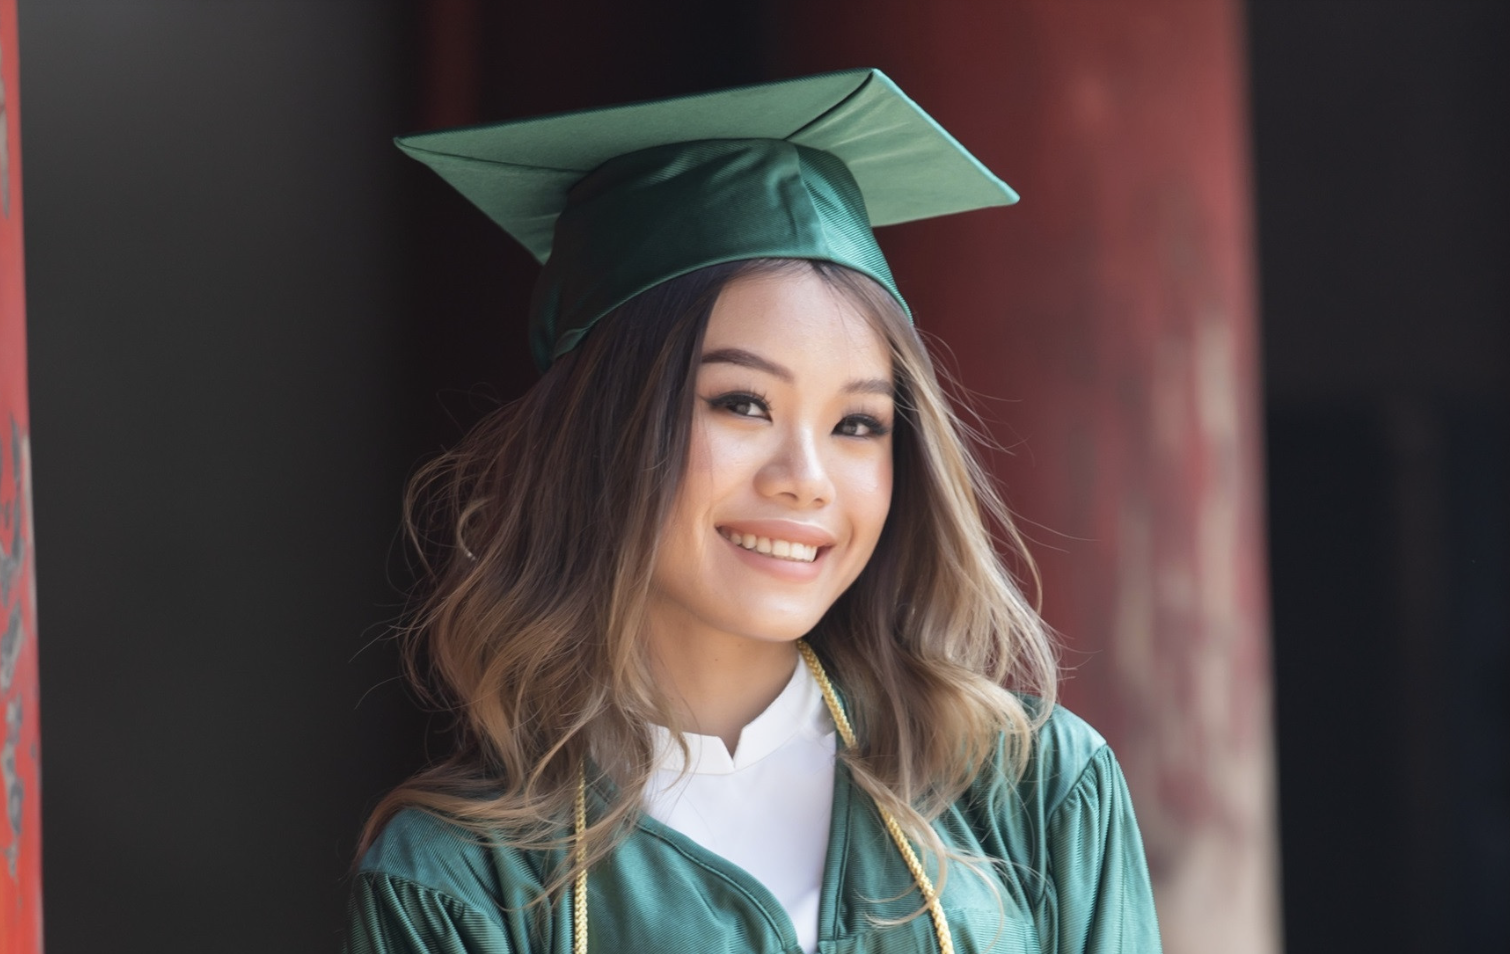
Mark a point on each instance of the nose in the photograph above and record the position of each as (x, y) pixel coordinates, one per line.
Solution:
(797, 471)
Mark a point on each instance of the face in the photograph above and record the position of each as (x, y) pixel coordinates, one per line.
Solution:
(789, 472)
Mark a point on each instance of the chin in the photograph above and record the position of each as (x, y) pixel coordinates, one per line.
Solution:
(782, 629)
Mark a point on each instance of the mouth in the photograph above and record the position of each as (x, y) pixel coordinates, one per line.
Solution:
(774, 548)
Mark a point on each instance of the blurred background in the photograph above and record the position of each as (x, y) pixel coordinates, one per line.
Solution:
(1244, 343)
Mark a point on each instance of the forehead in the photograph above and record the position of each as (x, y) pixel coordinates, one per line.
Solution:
(795, 318)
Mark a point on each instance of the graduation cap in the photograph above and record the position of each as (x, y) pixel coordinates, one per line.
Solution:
(614, 201)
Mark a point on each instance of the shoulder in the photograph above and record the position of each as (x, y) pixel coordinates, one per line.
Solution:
(1063, 816)
(1095, 892)
(439, 856)
(428, 884)
(1067, 754)
(1066, 761)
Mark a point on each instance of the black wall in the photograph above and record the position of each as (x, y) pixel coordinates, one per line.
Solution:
(1382, 140)
(221, 423)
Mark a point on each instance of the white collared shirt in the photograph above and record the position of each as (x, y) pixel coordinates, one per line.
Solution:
(767, 807)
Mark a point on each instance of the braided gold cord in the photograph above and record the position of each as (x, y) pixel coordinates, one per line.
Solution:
(579, 886)
(914, 865)
(841, 722)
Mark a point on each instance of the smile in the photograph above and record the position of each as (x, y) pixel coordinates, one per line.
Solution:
(778, 549)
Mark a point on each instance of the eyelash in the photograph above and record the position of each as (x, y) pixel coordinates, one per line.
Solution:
(728, 402)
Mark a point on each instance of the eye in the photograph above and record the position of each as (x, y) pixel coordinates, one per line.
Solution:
(861, 425)
(742, 404)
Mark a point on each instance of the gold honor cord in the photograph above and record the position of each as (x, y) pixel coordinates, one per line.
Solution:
(579, 886)
(841, 722)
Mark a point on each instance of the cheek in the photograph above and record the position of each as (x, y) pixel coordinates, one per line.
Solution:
(719, 462)
(869, 486)
(713, 468)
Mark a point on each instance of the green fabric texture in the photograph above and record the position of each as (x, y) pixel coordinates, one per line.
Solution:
(617, 200)
(644, 218)
(1070, 876)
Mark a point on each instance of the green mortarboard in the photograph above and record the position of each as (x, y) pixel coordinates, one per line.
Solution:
(615, 201)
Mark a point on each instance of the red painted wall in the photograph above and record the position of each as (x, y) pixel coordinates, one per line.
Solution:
(20, 823)
(1108, 322)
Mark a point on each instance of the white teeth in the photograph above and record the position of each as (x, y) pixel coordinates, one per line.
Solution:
(780, 549)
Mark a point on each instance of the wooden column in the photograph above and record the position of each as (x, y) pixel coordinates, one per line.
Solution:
(1108, 322)
(21, 821)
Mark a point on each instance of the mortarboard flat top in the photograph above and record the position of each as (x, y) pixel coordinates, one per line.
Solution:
(676, 184)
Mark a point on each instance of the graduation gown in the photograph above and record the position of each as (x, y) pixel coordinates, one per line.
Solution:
(1070, 876)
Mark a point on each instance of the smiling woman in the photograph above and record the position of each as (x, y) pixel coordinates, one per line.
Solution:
(736, 663)
(786, 489)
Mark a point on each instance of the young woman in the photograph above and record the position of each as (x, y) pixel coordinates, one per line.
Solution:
(718, 604)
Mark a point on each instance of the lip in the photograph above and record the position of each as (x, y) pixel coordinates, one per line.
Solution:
(789, 530)
(791, 571)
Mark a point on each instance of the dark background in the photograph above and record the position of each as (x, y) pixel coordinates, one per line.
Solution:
(1382, 144)
(250, 318)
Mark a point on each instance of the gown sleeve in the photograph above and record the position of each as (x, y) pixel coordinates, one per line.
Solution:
(1099, 894)
(392, 915)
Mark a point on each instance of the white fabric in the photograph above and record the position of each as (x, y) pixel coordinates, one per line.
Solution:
(767, 807)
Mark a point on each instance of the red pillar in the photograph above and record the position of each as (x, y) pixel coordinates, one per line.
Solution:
(20, 822)
(1109, 321)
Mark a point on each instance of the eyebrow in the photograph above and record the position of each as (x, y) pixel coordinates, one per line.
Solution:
(753, 361)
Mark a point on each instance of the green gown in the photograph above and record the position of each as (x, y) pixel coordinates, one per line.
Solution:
(1070, 876)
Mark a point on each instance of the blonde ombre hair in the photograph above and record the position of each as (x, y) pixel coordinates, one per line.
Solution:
(538, 535)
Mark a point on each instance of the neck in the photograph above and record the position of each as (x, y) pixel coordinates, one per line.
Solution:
(721, 682)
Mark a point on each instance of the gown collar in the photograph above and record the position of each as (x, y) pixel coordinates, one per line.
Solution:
(799, 709)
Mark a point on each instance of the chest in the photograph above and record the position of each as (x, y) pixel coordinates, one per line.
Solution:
(663, 891)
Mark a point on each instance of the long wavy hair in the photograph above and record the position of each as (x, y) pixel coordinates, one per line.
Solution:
(538, 534)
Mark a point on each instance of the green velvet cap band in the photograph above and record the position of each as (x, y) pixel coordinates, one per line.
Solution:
(614, 201)
(659, 213)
